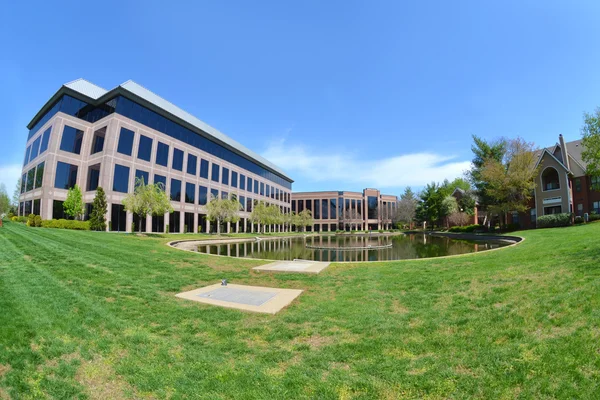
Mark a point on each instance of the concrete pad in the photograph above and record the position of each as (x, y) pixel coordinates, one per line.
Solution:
(305, 266)
(248, 298)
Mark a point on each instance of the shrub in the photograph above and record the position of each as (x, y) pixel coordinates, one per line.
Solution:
(465, 229)
(31, 220)
(594, 217)
(579, 220)
(66, 224)
(10, 215)
(553, 220)
(381, 231)
(19, 219)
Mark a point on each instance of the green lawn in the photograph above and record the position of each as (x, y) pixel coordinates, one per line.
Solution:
(93, 315)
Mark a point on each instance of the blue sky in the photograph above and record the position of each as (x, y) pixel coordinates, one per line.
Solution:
(343, 95)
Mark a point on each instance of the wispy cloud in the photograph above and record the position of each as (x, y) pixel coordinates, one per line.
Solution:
(9, 175)
(309, 165)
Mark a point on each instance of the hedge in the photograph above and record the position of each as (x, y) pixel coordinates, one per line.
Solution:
(19, 219)
(465, 229)
(553, 220)
(66, 224)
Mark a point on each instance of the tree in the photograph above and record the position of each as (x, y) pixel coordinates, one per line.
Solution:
(407, 207)
(98, 214)
(591, 142)
(148, 199)
(458, 218)
(449, 206)
(16, 194)
(305, 219)
(223, 210)
(73, 205)
(429, 208)
(4, 200)
(510, 182)
(483, 152)
(260, 214)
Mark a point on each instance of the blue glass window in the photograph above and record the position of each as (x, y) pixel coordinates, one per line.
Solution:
(35, 148)
(162, 154)
(178, 159)
(190, 193)
(192, 161)
(121, 179)
(175, 190)
(242, 201)
(225, 176)
(66, 175)
(268, 191)
(125, 142)
(162, 180)
(139, 174)
(39, 176)
(242, 182)
(45, 140)
(26, 160)
(204, 169)
(215, 172)
(249, 184)
(202, 195)
(214, 194)
(262, 189)
(248, 204)
(224, 195)
(234, 179)
(93, 178)
(256, 186)
(145, 148)
(71, 140)
(23, 183)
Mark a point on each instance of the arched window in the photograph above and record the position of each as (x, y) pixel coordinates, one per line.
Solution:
(550, 179)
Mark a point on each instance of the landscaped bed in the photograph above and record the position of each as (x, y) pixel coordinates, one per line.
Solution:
(89, 313)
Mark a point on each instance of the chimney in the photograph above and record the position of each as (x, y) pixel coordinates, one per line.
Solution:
(563, 149)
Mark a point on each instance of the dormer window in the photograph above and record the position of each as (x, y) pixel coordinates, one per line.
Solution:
(550, 179)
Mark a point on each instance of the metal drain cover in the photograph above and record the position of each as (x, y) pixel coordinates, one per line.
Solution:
(240, 296)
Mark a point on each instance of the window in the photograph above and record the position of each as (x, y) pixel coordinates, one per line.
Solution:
(66, 175)
(190, 193)
(225, 176)
(333, 208)
(93, 177)
(26, 160)
(141, 175)
(121, 179)
(317, 209)
(580, 209)
(175, 190)
(30, 179)
(515, 217)
(595, 182)
(578, 184)
(145, 148)
(300, 206)
(192, 162)
(324, 209)
(23, 183)
(215, 172)
(178, 159)
(204, 168)
(71, 140)
(293, 205)
(359, 209)
(308, 204)
(45, 140)
(36, 207)
(372, 204)
(175, 222)
(202, 195)
(249, 184)
(118, 217)
(242, 182)
(268, 191)
(98, 141)
(262, 189)
(255, 186)
(125, 145)
(234, 179)
(249, 204)
(242, 201)
(161, 180)
(550, 179)
(162, 154)
(39, 175)
(27, 208)
(214, 194)
(188, 222)
(35, 149)
(552, 210)
(224, 195)
(596, 207)
(58, 211)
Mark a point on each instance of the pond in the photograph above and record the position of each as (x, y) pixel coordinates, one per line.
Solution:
(352, 248)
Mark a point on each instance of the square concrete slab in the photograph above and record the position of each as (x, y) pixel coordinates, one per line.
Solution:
(248, 298)
(306, 266)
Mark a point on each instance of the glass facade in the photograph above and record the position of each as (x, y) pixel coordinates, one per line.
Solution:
(71, 140)
(225, 176)
(190, 193)
(188, 221)
(242, 201)
(66, 175)
(125, 145)
(214, 194)
(249, 184)
(26, 160)
(39, 175)
(242, 182)
(45, 140)
(35, 149)
(317, 209)
(175, 190)
(234, 179)
(215, 173)
(30, 179)
(162, 154)
(372, 207)
(255, 186)
(192, 162)
(262, 189)
(324, 209)
(161, 180)
(93, 178)
(178, 159)
(118, 218)
(141, 176)
(98, 141)
(121, 179)
(204, 168)
(175, 222)
(202, 195)
(145, 148)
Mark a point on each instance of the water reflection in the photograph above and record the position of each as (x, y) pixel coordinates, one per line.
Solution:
(344, 248)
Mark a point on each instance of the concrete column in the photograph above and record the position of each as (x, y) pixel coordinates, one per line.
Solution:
(182, 222)
(195, 228)
(108, 216)
(167, 219)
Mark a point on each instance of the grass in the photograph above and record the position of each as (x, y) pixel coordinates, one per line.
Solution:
(93, 315)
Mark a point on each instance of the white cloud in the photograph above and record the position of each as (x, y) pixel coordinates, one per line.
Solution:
(308, 165)
(9, 175)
